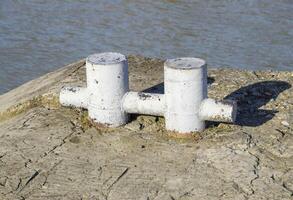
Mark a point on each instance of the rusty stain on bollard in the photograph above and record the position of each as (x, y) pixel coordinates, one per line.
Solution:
(184, 104)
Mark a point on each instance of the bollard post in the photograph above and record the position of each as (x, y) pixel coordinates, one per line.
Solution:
(185, 81)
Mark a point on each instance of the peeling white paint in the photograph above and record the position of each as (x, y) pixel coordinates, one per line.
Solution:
(74, 96)
(220, 111)
(144, 103)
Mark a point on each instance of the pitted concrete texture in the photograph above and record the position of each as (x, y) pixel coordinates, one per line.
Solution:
(52, 152)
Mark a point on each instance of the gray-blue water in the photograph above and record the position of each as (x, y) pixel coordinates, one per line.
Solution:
(38, 36)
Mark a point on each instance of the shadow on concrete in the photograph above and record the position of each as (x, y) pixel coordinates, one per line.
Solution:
(249, 100)
(159, 88)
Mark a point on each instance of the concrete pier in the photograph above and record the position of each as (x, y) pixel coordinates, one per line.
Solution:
(52, 152)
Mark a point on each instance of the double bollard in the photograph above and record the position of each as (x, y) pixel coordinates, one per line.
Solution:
(184, 103)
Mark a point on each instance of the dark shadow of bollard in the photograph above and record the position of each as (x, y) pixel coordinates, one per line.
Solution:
(249, 100)
(252, 97)
(159, 88)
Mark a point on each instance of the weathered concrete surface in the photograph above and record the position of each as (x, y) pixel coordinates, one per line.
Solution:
(51, 152)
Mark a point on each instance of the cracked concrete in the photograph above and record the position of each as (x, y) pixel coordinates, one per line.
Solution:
(52, 152)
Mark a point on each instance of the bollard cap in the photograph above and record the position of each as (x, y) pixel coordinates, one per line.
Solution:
(106, 58)
(186, 63)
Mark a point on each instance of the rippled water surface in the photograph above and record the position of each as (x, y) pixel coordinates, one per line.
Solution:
(38, 36)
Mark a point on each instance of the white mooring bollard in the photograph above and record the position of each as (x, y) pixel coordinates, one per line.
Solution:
(184, 105)
(107, 83)
(185, 82)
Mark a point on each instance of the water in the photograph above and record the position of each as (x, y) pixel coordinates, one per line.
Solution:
(38, 36)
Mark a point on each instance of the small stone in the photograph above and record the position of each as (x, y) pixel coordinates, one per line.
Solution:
(285, 123)
(3, 181)
(133, 126)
